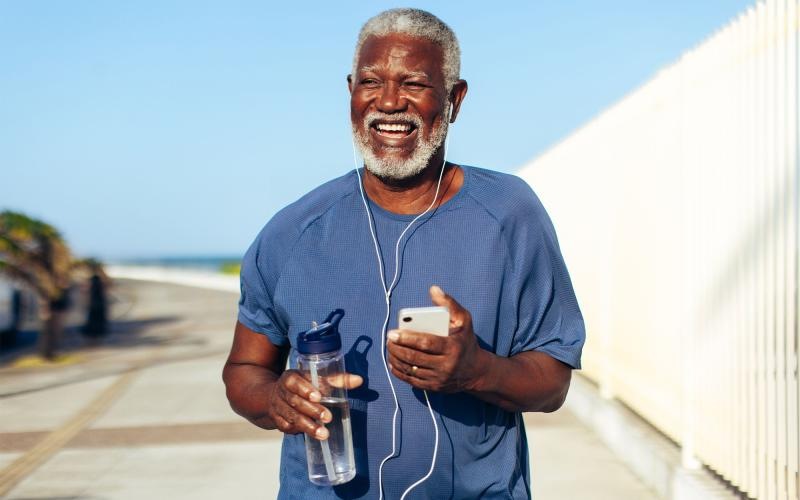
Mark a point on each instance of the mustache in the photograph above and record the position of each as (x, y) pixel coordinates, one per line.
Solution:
(374, 116)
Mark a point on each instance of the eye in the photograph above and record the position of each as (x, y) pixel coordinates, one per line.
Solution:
(370, 82)
(415, 85)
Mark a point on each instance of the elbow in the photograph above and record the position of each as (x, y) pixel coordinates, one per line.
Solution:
(548, 404)
(556, 398)
(555, 403)
(230, 386)
(226, 378)
(235, 392)
(561, 396)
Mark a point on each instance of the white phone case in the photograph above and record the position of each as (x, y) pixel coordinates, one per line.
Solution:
(434, 320)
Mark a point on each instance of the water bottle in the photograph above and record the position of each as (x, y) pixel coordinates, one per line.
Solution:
(320, 359)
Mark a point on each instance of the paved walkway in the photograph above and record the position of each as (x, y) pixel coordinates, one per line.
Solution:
(145, 416)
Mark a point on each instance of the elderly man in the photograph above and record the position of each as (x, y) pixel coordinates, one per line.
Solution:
(408, 230)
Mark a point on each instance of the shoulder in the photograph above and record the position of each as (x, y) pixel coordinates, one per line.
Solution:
(507, 198)
(292, 221)
(521, 219)
(280, 234)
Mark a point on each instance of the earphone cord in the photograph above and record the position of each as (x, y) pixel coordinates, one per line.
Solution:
(388, 293)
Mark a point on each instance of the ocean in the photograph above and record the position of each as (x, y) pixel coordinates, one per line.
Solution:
(204, 263)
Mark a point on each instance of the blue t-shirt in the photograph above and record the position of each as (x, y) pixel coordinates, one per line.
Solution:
(492, 248)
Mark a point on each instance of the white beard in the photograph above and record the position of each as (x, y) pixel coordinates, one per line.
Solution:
(394, 168)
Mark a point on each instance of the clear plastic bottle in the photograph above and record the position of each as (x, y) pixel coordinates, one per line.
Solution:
(330, 462)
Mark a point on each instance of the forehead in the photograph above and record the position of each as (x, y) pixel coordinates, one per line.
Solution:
(400, 52)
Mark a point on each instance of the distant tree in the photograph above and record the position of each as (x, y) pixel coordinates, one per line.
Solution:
(34, 253)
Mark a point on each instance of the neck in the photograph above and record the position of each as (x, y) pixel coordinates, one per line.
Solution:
(414, 195)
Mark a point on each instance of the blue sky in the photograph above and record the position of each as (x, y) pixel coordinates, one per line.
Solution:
(178, 128)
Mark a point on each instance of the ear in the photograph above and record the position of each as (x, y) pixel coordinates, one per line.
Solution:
(456, 98)
(350, 83)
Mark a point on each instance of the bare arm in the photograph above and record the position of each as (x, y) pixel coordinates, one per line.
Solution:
(528, 381)
(253, 366)
(260, 389)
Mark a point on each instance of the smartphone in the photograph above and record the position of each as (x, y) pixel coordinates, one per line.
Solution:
(435, 320)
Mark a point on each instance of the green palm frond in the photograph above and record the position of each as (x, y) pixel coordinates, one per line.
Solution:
(34, 252)
(25, 276)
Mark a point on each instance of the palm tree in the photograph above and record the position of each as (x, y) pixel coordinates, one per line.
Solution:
(34, 253)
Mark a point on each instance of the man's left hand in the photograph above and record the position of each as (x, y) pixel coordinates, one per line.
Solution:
(434, 363)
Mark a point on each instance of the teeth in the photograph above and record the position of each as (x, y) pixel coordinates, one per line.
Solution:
(393, 127)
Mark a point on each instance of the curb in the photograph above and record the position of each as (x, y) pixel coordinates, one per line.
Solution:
(649, 454)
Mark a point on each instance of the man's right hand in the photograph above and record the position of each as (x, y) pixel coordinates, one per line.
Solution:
(262, 391)
(294, 404)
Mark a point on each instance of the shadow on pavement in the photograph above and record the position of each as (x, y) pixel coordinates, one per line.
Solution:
(145, 332)
(129, 332)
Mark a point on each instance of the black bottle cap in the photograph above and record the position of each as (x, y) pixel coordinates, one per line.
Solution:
(322, 338)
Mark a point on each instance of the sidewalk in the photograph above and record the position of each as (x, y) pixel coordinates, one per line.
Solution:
(145, 416)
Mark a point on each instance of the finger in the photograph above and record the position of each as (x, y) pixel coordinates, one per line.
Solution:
(345, 380)
(425, 342)
(292, 422)
(282, 424)
(413, 357)
(321, 433)
(298, 384)
(401, 374)
(412, 380)
(410, 370)
(398, 364)
(458, 314)
(307, 408)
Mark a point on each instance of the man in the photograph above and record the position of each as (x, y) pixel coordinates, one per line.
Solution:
(485, 249)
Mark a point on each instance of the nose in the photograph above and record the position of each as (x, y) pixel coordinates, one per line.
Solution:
(390, 100)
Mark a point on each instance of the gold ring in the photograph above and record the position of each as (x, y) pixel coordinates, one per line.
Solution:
(414, 369)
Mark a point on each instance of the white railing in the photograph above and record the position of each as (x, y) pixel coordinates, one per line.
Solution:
(677, 210)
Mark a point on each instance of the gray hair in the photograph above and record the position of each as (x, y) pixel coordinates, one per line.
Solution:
(417, 23)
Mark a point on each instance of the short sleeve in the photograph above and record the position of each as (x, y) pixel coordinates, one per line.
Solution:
(256, 308)
(548, 317)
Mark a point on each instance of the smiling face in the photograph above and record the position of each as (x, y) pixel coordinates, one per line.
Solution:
(398, 105)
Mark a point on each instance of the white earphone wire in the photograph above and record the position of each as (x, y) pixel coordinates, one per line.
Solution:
(388, 293)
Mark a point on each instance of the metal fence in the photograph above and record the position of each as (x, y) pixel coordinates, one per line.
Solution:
(677, 210)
